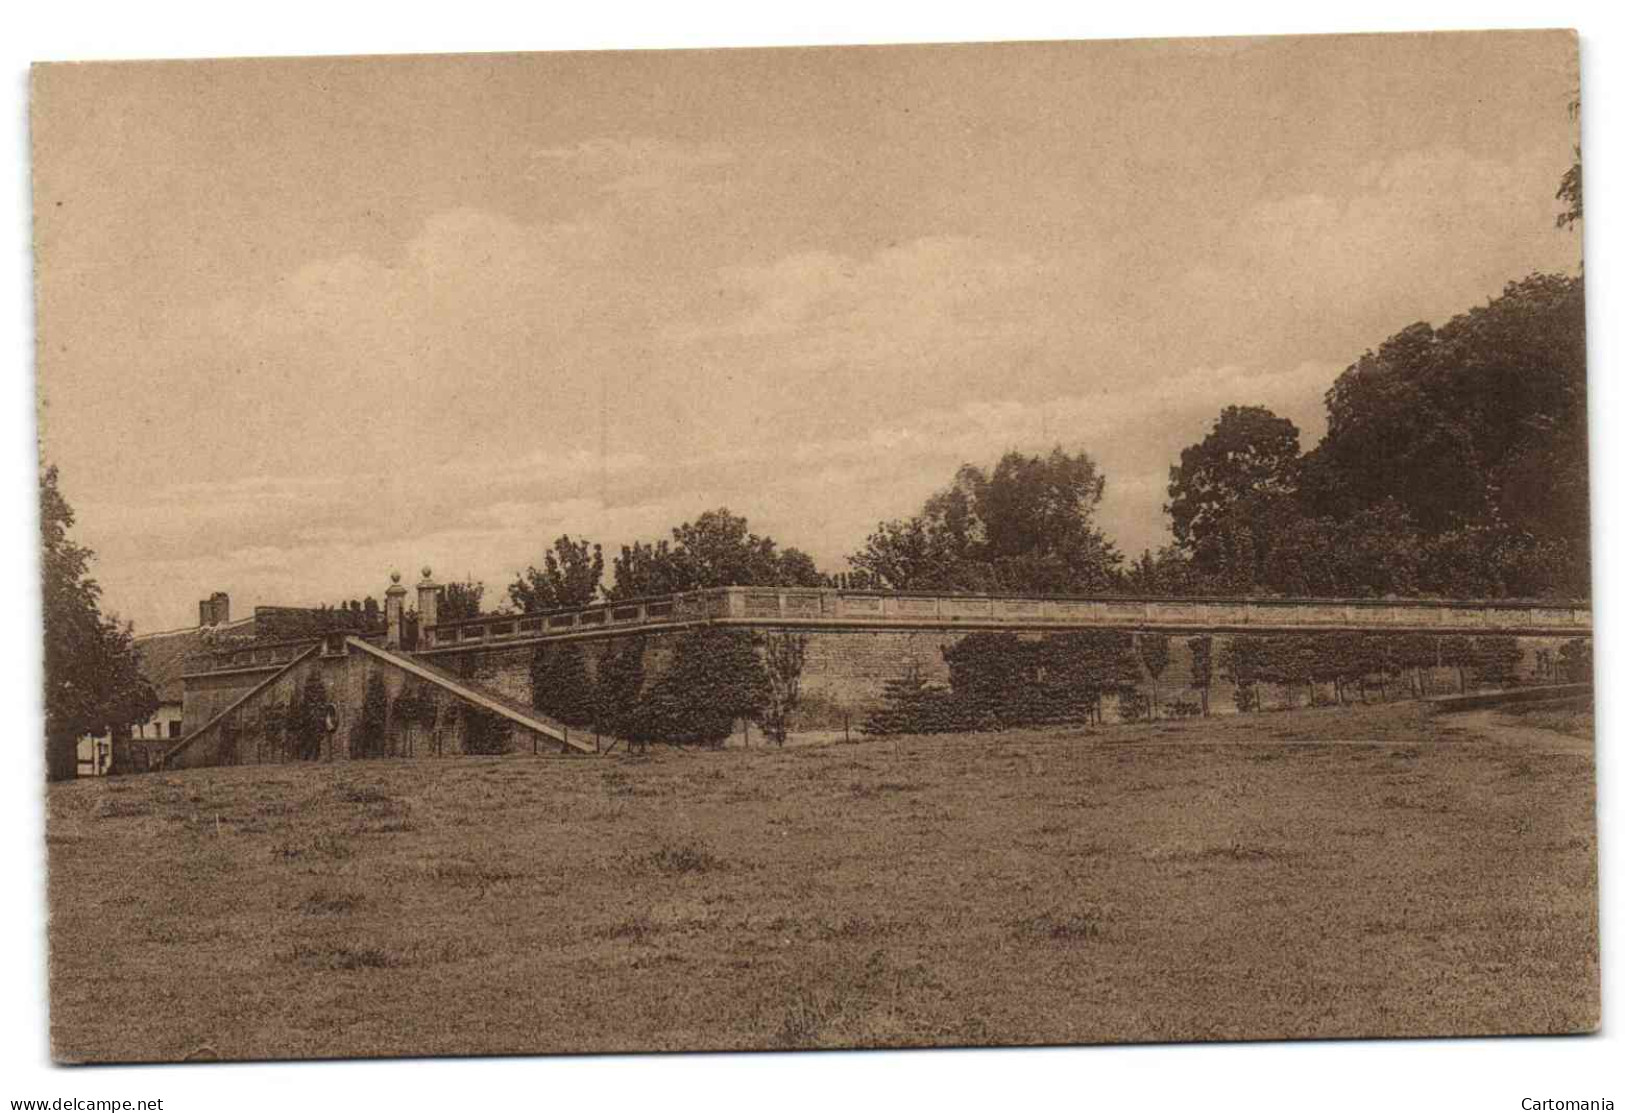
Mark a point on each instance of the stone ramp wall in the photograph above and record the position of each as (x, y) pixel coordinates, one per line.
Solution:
(254, 731)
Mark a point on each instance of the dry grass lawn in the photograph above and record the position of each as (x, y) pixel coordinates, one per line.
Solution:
(1171, 881)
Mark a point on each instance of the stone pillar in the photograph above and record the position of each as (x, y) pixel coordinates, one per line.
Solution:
(394, 606)
(428, 604)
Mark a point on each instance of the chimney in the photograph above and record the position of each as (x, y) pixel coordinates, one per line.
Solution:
(394, 598)
(428, 601)
(215, 610)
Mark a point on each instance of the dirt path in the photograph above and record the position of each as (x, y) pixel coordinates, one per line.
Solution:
(1501, 727)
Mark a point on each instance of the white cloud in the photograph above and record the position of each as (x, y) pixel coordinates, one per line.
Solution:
(446, 402)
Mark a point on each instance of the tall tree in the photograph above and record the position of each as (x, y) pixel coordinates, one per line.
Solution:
(93, 680)
(717, 549)
(460, 600)
(1231, 490)
(571, 575)
(1028, 526)
(918, 554)
(1477, 431)
(645, 569)
(1154, 654)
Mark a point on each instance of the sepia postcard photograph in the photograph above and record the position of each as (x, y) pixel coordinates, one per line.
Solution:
(911, 546)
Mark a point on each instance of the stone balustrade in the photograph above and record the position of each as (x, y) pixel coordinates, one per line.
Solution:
(835, 609)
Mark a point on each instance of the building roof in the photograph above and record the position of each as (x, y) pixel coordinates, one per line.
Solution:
(163, 655)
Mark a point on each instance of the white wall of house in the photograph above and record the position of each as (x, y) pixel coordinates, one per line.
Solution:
(95, 755)
(165, 724)
(96, 752)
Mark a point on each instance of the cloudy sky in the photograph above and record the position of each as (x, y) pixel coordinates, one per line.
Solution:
(302, 322)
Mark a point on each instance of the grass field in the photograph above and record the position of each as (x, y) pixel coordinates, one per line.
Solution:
(1172, 881)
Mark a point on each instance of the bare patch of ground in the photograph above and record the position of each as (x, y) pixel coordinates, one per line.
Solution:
(1234, 880)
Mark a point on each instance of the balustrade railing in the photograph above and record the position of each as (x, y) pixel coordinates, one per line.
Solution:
(833, 607)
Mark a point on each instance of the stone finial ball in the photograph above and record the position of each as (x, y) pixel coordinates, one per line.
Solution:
(394, 577)
(426, 571)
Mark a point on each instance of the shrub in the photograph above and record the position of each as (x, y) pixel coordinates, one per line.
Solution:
(1133, 706)
(558, 683)
(911, 706)
(367, 737)
(1183, 709)
(1574, 660)
(415, 707)
(1002, 680)
(619, 688)
(307, 718)
(484, 732)
(1496, 658)
(715, 678)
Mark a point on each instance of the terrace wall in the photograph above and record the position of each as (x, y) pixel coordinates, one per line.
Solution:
(857, 642)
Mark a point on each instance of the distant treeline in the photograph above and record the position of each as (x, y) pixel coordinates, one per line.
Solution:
(1454, 465)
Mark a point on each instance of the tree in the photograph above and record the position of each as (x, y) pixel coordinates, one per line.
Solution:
(571, 575)
(1154, 655)
(1201, 648)
(1377, 551)
(918, 554)
(1230, 490)
(646, 569)
(717, 549)
(1027, 527)
(1569, 188)
(1456, 650)
(93, 681)
(1419, 653)
(784, 654)
(797, 569)
(1241, 663)
(1476, 433)
(459, 601)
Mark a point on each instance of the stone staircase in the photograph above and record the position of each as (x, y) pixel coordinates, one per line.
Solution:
(583, 741)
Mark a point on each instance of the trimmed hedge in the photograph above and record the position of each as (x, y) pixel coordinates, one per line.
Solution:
(1343, 659)
(559, 685)
(716, 678)
(307, 719)
(369, 737)
(1000, 680)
